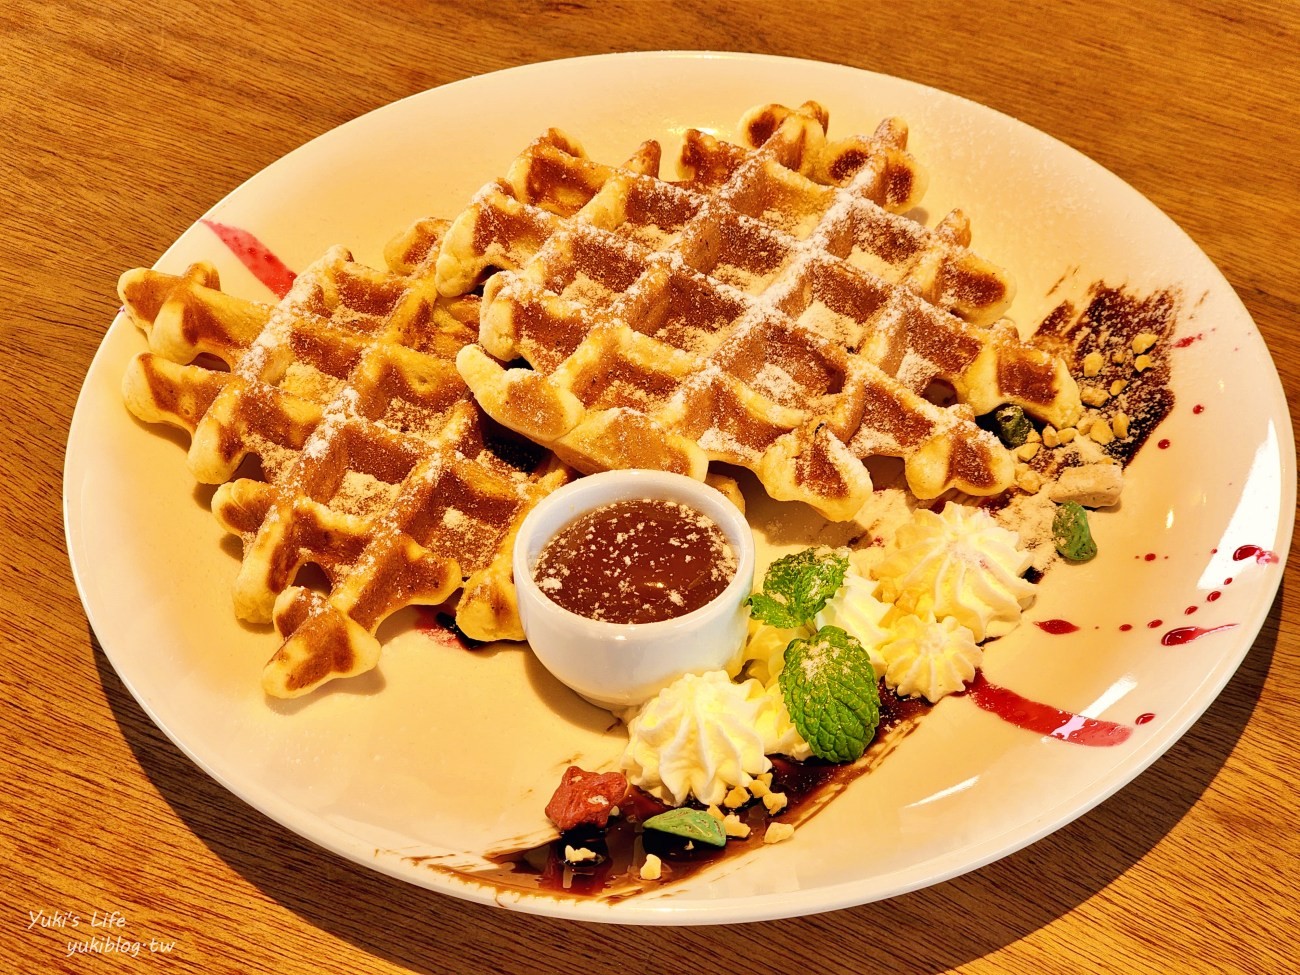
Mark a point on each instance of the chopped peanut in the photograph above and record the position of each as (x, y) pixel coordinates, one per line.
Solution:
(1119, 423)
(759, 788)
(1093, 396)
(736, 798)
(579, 854)
(778, 832)
(1066, 435)
(732, 826)
(716, 813)
(1142, 363)
(1118, 386)
(1100, 432)
(1092, 364)
(1143, 341)
(1028, 479)
(653, 868)
(1050, 438)
(1118, 356)
(1026, 451)
(774, 802)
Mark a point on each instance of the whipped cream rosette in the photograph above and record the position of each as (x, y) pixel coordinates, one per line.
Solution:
(930, 658)
(703, 735)
(856, 610)
(957, 563)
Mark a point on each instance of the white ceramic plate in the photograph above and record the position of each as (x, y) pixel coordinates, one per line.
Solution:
(443, 753)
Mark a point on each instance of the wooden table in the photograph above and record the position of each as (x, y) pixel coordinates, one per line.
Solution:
(124, 121)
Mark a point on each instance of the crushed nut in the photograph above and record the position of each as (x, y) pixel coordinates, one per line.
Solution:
(1026, 451)
(1028, 479)
(1143, 341)
(732, 826)
(1118, 356)
(653, 868)
(1118, 386)
(759, 788)
(1092, 364)
(1142, 363)
(1066, 435)
(716, 813)
(1050, 438)
(736, 798)
(774, 802)
(579, 854)
(1100, 431)
(1119, 423)
(778, 832)
(1093, 396)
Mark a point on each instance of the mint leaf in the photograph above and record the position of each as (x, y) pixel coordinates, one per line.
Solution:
(797, 586)
(829, 686)
(692, 824)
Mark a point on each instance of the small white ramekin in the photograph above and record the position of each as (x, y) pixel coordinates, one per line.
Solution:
(621, 665)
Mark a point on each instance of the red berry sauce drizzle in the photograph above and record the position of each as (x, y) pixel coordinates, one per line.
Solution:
(255, 256)
(1043, 719)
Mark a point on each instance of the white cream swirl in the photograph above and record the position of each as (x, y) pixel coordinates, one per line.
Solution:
(703, 735)
(930, 658)
(959, 563)
(856, 610)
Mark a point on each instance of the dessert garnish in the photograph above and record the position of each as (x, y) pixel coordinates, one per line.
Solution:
(828, 680)
(636, 561)
(957, 562)
(1070, 532)
(775, 310)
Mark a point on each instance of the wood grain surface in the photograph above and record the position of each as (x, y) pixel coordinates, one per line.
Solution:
(125, 120)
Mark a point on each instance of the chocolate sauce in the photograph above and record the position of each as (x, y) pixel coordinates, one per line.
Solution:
(636, 561)
(624, 845)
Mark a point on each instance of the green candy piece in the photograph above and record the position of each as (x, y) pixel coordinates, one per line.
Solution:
(690, 824)
(1011, 425)
(1070, 532)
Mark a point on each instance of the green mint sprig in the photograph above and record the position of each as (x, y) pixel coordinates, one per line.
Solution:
(828, 682)
(830, 690)
(797, 586)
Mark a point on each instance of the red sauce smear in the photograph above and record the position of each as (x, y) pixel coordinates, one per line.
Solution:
(1186, 634)
(255, 256)
(1260, 555)
(1056, 627)
(1144, 718)
(1043, 718)
(1187, 340)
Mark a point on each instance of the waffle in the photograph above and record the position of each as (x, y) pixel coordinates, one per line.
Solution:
(774, 310)
(342, 437)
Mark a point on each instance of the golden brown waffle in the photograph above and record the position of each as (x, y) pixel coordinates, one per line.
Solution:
(353, 444)
(773, 311)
